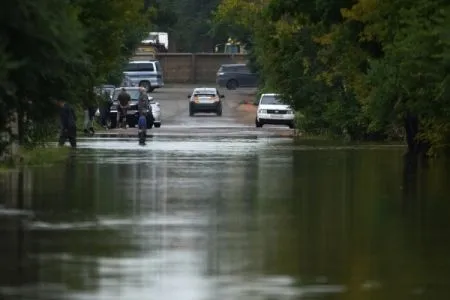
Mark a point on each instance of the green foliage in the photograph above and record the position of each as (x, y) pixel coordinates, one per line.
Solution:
(365, 69)
(44, 156)
(189, 24)
(53, 49)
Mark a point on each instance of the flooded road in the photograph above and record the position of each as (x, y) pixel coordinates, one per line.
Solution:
(176, 122)
(226, 218)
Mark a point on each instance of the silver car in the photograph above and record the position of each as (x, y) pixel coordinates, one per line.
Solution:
(145, 73)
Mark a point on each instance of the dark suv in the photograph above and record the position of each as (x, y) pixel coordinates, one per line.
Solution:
(132, 112)
(233, 76)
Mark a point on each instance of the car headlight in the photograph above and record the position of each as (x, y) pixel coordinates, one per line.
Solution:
(290, 112)
(262, 111)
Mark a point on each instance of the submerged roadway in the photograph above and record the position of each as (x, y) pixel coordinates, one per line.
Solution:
(237, 119)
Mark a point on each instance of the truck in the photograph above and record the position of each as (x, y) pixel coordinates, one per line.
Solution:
(155, 42)
(157, 38)
(230, 47)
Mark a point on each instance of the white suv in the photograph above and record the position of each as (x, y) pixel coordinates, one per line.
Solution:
(272, 111)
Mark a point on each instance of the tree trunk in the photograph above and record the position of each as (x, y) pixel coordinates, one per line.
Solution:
(20, 125)
(415, 146)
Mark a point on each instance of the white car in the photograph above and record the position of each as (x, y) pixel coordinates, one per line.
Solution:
(272, 111)
(156, 111)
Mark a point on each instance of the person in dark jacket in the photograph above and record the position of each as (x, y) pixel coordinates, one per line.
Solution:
(144, 107)
(89, 113)
(68, 121)
(124, 99)
(105, 108)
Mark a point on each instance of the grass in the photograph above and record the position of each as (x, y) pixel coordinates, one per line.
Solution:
(39, 156)
(45, 155)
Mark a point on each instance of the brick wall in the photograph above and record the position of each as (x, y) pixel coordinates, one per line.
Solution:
(193, 67)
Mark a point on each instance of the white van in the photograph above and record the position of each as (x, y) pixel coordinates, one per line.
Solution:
(146, 73)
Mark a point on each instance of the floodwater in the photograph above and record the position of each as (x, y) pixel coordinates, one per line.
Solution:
(213, 219)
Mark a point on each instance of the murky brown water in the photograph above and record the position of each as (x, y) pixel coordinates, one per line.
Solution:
(206, 219)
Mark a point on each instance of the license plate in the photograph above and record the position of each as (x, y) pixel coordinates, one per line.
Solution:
(205, 100)
(276, 116)
(131, 112)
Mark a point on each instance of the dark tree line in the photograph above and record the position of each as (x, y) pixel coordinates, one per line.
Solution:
(365, 69)
(189, 24)
(60, 49)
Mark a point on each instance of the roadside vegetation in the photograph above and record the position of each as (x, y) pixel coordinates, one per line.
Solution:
(189, 24)
(54, 49)
(360, 69)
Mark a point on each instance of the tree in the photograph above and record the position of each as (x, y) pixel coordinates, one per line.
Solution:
(60, 49)
(44, 47)
(113, 29)
(366, 70)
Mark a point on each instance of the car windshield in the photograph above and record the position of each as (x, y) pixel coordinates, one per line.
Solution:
(269, 100)
(134, 94)
(109, 90)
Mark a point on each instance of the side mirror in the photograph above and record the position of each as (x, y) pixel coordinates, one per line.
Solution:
(189, 96)
(222, 96)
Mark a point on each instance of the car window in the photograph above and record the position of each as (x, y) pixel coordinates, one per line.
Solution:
(243, 69)
(269, 100)
(158, 66)
(134, 94)
(140, 67)
(205, 94)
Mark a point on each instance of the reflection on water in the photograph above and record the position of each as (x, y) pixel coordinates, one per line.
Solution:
(226, 219)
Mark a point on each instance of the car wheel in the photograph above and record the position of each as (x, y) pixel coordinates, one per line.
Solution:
(232, 84)
(146, 85)
(219, 112)
(149, 121)
(291, 125)
(258, 124)
(157, 125)
(131, 123)
(191, 112)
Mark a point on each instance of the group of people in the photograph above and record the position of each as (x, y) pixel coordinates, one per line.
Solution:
(68, 117)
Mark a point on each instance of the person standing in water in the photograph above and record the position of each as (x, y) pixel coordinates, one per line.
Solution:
(68, 121)
(142, 129)
(124, 100)
(89, 113)
(144, 112)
